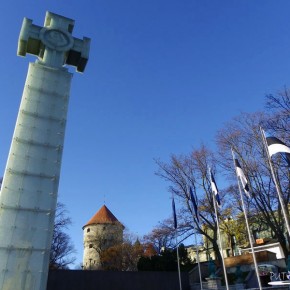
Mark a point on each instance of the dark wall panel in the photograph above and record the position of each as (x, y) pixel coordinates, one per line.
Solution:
(105, 280)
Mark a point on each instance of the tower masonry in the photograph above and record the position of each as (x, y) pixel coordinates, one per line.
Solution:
(101, 232)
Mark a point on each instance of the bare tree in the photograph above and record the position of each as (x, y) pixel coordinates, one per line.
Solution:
(279, 108)
(243, 135)
(192, 170)
(162, 236)
(62, 249)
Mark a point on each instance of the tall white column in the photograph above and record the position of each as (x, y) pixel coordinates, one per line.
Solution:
(29, 189)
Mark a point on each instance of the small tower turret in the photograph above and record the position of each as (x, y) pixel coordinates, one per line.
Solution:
(101, 232)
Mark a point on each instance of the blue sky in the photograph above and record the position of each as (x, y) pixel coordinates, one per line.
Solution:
(163, 76)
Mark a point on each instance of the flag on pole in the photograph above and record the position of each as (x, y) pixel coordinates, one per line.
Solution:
(242, 176)
(174, 214)
(274, 145)
(214, 188)
(194, 203)
(277, 146)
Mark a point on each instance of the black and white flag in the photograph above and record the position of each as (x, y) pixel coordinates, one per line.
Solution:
(277, 146)
(194, 203)
(242, 176)
(174, 214)
(214, 189)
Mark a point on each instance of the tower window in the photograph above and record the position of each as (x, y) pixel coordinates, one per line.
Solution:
(90, 246)
(88, 230)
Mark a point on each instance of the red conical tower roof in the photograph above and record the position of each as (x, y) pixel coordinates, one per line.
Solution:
(103, 216)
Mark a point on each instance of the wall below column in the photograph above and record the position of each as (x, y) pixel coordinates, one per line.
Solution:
(112, 280)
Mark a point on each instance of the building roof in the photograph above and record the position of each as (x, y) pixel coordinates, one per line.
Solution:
(103, 216)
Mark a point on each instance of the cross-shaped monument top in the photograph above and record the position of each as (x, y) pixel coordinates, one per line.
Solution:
(53, 44)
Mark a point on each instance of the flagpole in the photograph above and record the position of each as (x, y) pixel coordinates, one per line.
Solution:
(178, 265)
(220, 242)
(175, 231)
(276, 182)
(198, 263)
(194, 209)
(215, 200)
(248, 228)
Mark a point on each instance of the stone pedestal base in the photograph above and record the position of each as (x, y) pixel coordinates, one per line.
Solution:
(213, 283)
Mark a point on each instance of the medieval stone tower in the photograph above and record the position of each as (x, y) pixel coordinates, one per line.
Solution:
(101, 232)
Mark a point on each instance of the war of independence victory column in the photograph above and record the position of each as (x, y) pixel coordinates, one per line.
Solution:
(29, 189)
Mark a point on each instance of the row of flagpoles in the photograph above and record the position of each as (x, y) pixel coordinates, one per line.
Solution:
(273, 146)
